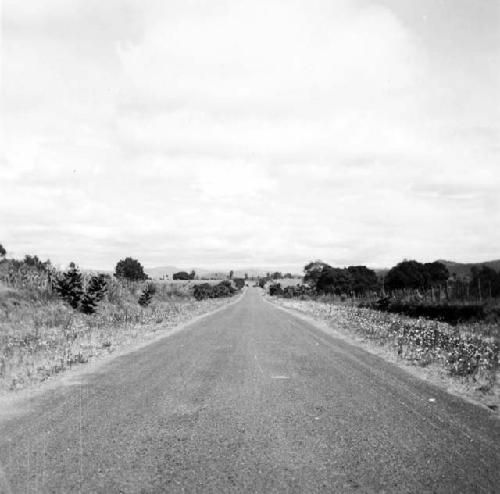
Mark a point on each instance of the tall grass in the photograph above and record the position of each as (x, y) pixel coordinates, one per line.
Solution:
(41, 336)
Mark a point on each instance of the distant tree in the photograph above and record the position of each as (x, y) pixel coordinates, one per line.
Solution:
(276, 276)
(415, 275)
(485, 281)
(192, 275)
(3, 252)
(181, 275)
(231, 273)
(35, 262)
(239, 283)
(436, 273)
(312, 272)
(130, 269)
(334, 280)
(246, 276)
(287, 275)
(363, 279)
(262, 282)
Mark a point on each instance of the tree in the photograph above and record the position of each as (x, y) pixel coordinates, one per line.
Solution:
(334, 280)
(363, 279)
(192, 275)
(231, 273)
(485, 281)
(130, 269)
(181, 275)
(70, 286)
(239, 283)
(415, 275)
(94, 293)
(312, 272)
(276, 276)
(3, 252)
(436, 273)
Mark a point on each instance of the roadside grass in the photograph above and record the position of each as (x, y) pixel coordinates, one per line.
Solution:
(462, 358)
(41, 336)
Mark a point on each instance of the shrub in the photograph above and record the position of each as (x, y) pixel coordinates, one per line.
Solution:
(181, 275)
(147, 295)
(239, 283)
(205, 290)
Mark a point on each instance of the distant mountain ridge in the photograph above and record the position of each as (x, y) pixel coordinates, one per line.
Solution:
(461, 269)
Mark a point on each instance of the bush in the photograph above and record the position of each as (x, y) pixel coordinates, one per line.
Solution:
(130, 269)
(239, 283)
(205, 290)
(182, 275)
(147, 295)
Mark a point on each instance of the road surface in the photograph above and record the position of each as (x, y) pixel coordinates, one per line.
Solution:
(250, 399)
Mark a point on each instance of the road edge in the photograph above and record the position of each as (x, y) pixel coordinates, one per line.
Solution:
(12, 402)
(432, 376)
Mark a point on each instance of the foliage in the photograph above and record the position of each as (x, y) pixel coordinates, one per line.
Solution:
(181, 275)
(130, 269)
(354, 280)
(312, 272)
(205, 290)
(485, 282)
(70, 286)
(363, 279)
(261, 282)
(239, 283)
(147, 295)
(192, 275)
(415, 275)
(3, 252)
(36, 263)
(96, 289)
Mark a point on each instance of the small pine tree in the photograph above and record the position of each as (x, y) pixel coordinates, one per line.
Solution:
(95, 292)
(70, 287)
(147, 295)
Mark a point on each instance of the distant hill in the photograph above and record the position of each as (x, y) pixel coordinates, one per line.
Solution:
(161, 271)
(462, 269)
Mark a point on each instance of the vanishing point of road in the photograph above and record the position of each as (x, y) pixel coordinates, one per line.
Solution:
(249, 399)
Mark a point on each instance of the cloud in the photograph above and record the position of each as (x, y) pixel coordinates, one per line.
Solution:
(215, 133)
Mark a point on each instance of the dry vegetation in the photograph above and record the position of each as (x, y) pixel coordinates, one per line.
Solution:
(41, 335)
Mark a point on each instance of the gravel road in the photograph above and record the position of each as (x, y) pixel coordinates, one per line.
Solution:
(250, 399)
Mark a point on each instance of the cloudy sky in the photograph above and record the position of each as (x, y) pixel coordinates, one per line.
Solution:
(250, 133)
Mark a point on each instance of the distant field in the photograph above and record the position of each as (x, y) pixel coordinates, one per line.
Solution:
(178, 283)
(288, 282)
